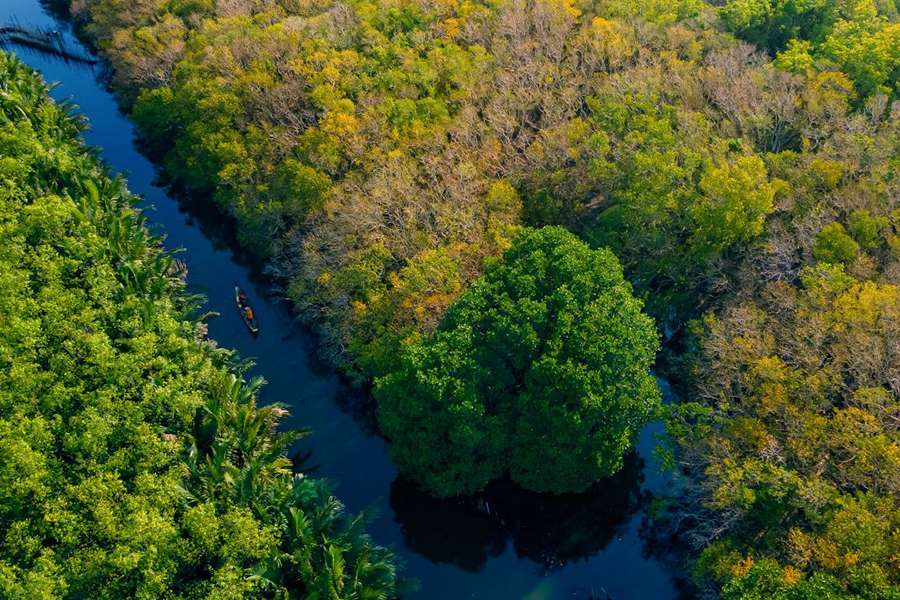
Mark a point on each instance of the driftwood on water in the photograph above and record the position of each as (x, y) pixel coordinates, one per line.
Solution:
(50, 41)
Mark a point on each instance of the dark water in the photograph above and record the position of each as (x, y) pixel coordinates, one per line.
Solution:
(504, 544)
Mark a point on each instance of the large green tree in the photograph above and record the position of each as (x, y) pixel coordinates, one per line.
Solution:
(539, 370)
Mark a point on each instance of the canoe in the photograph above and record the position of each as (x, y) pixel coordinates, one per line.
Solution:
(251, 324)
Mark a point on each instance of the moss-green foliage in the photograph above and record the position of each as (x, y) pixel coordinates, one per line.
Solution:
(833, 245)
(859, 37)
(538, 370)
(678, 195)
(135, 462)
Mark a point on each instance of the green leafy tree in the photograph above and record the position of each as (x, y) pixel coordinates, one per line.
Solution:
(539, 370)
(297, 189)
(677, 198)
(867, 51)
(834, 245)
(866, 229)
(859, 37)
(380, 156)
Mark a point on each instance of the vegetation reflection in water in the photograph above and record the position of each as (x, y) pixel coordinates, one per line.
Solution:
(551, 531)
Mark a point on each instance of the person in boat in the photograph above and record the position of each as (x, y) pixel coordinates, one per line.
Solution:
(242, 298)
(248, 312)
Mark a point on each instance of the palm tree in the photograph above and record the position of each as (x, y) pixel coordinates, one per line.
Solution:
(237, 452)
(237, 456)
(324, 553)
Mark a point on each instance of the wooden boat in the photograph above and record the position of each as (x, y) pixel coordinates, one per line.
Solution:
(243, 305)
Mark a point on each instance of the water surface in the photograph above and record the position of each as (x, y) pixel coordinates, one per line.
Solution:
(505, 543)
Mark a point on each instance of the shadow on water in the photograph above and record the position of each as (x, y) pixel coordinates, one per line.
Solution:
(24, 48)
(550, 530)
(359, 404)
(48, 41)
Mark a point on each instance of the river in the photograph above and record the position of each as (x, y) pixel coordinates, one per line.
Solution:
(505, 543)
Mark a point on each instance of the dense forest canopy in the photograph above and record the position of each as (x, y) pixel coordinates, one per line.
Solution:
(538, 371)
(376, 152)
(797, 452)
(134, 461)
(739, 159)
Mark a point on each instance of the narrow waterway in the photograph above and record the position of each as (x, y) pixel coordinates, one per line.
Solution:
(505, 544)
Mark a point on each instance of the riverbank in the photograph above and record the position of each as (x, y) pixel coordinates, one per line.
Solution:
(137, 462)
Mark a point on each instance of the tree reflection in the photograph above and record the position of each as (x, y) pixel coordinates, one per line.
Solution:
(549, 530)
